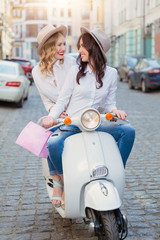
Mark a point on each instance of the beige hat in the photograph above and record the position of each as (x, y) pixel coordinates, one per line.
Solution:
(48, 31)
(101, 39)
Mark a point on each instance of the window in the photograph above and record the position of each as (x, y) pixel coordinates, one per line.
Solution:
(154, 63)
(124, 15)
(157, 25)
(138, 66)
(62, 12)
(30, 13)
(4, 69)
(17, 13)
(40, 14)
(69, 13)
(54, 12)
(85, 14)
(22, 63)
(119, 18)
(69, 30)
(97, 14)
(21, 31)
(148, 30)
(36, 13)
(143, 65)
(16, 29)
(148, 6)
(31, 30)
(21, 70)
(131, 62)
(17, 52)
(14, 13)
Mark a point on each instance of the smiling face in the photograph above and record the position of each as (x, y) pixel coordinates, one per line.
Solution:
(83, 52)
(61, 47)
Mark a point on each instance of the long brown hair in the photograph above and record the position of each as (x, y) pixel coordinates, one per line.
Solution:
(47, 54)
(96, 59)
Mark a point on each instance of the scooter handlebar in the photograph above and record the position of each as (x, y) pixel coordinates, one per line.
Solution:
(57, 123)
(68, 121)
(111, 116)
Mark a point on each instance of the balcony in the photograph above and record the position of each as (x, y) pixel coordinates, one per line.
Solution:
(18, 8)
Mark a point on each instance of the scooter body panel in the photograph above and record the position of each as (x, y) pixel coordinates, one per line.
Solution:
(113, 161)
(75, 173)
(82, 153)
(96, 199)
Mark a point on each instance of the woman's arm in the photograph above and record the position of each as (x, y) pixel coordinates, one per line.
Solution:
(63, 99)
(46, 101)
(111, 99)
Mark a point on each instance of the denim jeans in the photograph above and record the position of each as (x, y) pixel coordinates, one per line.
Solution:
(123, 134)
(50, 165)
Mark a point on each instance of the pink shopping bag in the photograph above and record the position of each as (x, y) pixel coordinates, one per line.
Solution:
(34, 138)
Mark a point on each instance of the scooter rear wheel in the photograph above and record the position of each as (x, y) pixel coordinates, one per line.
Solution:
(109, 226)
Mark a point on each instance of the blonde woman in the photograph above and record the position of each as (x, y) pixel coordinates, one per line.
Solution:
(49, 75)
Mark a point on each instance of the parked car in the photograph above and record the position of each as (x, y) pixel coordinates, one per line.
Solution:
(14, 85)
(145, 75)
(126, 63)
(26, 66)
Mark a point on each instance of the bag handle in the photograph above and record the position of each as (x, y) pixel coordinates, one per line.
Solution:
(41, 119)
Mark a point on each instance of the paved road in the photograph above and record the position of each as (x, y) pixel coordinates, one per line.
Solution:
(25, 211)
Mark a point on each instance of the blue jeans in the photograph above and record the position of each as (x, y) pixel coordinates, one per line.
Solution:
(50, 165)
(123, 134)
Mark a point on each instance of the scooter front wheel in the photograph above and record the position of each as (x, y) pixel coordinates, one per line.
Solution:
(109, 226)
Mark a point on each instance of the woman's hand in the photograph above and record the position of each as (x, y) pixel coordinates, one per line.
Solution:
(48, 122)
(63, 115)
(120, 114)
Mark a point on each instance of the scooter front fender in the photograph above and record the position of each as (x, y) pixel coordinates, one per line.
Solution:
(95, 198)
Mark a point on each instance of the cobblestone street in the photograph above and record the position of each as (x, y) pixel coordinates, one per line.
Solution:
(25, 210)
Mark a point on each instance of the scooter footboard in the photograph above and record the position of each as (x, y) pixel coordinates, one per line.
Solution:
(101, 195)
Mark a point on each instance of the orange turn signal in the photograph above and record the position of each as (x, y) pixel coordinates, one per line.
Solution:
(67, 121)
(109, 116)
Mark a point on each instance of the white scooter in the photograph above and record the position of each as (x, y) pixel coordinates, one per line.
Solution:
(93, 177)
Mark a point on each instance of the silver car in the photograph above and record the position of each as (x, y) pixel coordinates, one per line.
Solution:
(14, 85)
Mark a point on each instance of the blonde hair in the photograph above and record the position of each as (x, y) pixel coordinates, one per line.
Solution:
(47, 53)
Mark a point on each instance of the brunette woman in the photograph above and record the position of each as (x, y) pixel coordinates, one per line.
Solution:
(87, 86)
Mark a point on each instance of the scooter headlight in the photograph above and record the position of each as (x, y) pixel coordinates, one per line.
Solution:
(90, 119)
(100, 171)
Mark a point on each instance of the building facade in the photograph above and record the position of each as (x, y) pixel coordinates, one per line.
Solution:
(133, 27)
(6, 28)
(97, 14)
(32, 15)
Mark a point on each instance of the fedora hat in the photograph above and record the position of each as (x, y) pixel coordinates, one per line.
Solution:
(48, 31)
(101, 39)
